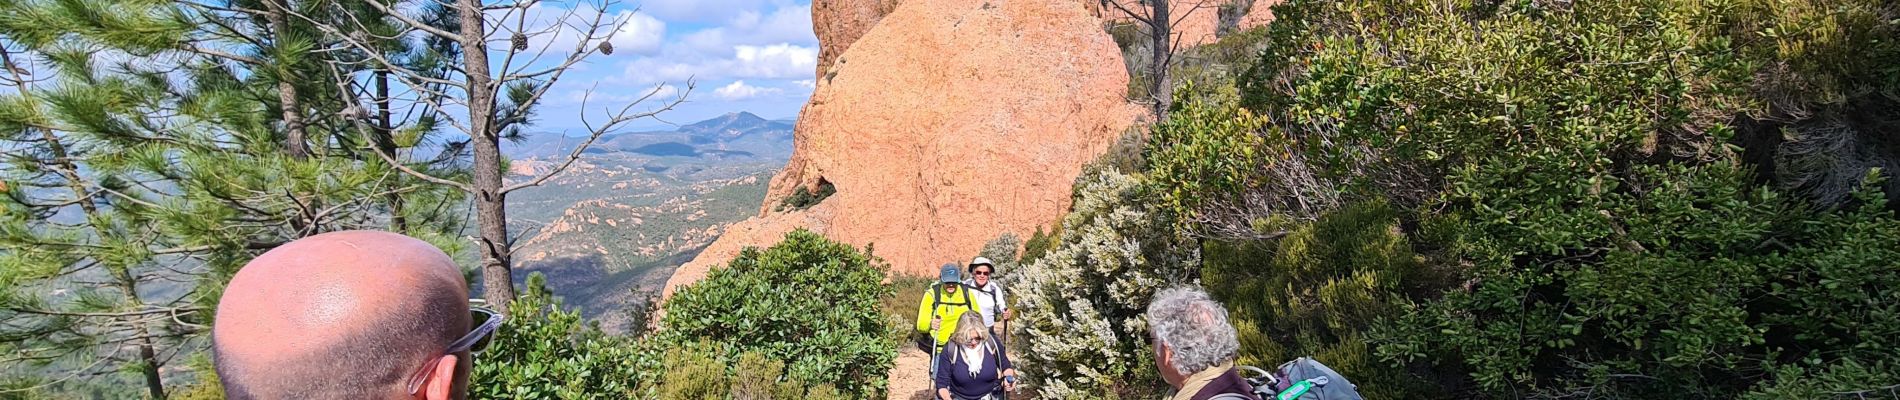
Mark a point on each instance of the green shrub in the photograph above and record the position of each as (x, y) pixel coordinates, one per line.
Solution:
(809, 301)
(900, 306)
(1208, 148)
(1318, 289)
(1039, 244)
(694, 372)
(757, 377)
(545, 352)
(1593, 170)
(804, 198)
(1081, 304)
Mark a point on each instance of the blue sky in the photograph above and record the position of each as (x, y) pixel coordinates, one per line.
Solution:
(743, 55)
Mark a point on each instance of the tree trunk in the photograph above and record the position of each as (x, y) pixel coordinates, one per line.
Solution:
(294, 135)
(387, 145)
(498, 285)
(153, 383)
(1162, 34)
(63, 162)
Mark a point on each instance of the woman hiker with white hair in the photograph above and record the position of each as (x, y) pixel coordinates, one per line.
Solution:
(1195, 346)
(973, 366)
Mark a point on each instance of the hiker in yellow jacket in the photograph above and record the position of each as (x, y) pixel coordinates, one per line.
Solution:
(942, 304)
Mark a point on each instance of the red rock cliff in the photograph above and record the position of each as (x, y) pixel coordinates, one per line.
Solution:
(949, 122)
(838, 23)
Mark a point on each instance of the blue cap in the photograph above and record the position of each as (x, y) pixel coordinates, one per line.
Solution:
(949, 274)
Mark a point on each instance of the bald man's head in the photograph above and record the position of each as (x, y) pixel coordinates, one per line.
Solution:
(338, 315)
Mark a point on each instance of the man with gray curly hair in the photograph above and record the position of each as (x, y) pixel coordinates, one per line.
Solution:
(1195, 346)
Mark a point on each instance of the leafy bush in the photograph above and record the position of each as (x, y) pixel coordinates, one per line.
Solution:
(545, 352)
(1577, 162)
(804, 198)
(1318, 289)
(1039, 244)
(810, 301)
(900, 307)
(1081, 305)
(694, 372)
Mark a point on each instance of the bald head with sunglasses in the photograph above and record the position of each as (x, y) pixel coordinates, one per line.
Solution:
(348, 315)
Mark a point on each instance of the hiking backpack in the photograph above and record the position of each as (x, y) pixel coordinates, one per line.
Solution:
(1300, 379)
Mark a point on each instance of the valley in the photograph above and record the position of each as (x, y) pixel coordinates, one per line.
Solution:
(611, 229)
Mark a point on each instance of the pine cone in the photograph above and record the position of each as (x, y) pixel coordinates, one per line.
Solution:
(520, 41)
(353, 112)
(607, 48)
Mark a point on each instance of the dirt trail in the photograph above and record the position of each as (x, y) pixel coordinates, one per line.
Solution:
(910, 375)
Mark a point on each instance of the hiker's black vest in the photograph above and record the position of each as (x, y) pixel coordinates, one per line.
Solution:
(937, 301)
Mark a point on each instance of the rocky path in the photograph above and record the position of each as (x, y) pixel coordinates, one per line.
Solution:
(909, 379)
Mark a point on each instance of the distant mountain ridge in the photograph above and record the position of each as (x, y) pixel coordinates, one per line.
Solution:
(737, 134)
(733, 126)
(611, 229)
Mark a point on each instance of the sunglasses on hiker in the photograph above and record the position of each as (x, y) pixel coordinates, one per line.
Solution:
(980, 273)
(486, 321)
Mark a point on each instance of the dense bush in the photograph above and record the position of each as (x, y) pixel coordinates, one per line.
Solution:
(809, 302)
(692, 372)
(545, 352)
(1081, 304)
(1316, 291)
(804, 198)
(1594, 171)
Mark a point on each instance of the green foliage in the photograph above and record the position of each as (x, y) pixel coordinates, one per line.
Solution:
(804, 198)
(900, 307)
(1002, 250)
(150, 172)
(757, 377)
(1208, 147)
(1080, 304)
(693, 372)
(1848, 379)
(1039, 244)
(1577, 163)
(810, 301)
(1316, 291)
(545, 352)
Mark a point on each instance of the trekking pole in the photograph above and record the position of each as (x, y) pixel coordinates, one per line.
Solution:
(934, 346)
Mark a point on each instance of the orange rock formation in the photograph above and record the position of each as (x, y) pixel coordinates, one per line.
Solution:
(946, 124)
(838, 23)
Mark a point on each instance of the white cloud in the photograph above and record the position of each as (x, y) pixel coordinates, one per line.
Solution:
(739, 90)
(775, 61)
(778, 61)
(706, 10)
(806, 83)
(750, 27)
(608, 97)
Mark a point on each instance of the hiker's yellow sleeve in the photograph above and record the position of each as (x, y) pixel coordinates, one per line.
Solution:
(923, 313)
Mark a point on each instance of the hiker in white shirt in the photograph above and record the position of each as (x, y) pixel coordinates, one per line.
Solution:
(989, 295)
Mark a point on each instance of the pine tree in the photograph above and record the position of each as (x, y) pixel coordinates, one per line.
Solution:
(149, 151)
(490, 94)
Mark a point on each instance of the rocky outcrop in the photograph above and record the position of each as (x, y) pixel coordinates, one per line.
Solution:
(948, 123)
(1259, 14)
(839, 23)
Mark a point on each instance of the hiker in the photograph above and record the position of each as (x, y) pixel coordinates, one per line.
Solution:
(939, 310)
(973, 367)
(348, 315)
(989, 293)
(1195, 346)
